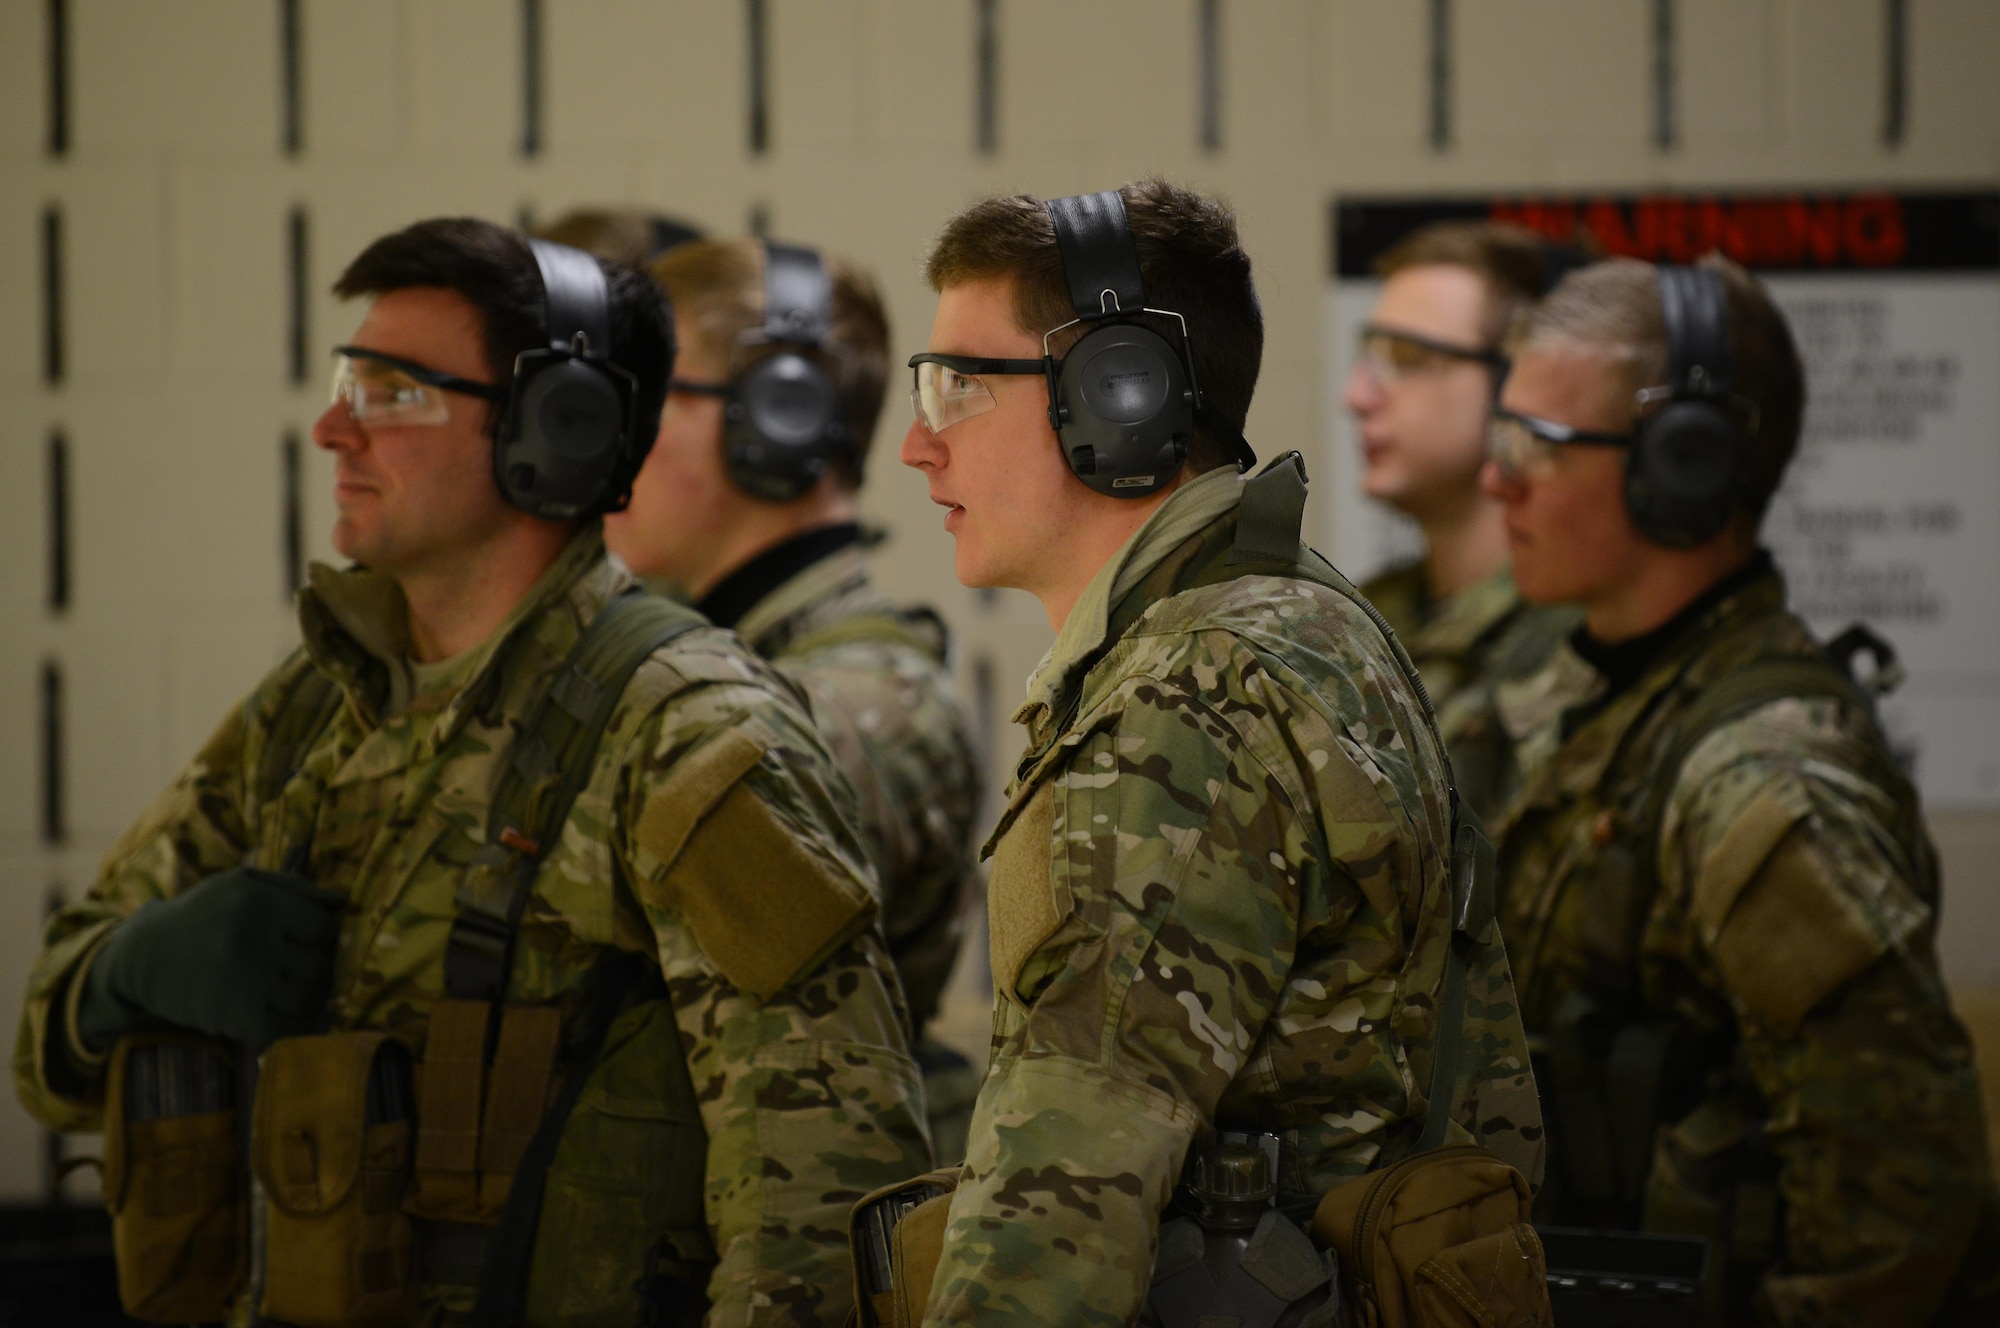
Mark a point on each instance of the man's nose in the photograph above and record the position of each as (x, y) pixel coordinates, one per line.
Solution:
(335, 429)
(1497, 482)
(1364, 389)
(921, 447)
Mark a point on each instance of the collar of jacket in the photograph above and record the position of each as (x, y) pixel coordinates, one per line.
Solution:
(1594, 744)
(356, 628)
(1089, 628)
(733, 599)
(1460, 621)
(794, 603)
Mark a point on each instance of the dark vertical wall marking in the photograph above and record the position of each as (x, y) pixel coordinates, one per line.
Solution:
(759, 223)
(291, 93)
(758, 52)
(531, 78)
(292, 535)
(1208, 46)
(986, 75)
(1440, 71)
(298, 294)
(59, 528)
(52, 295)
(1666, 127)
(55, 827)
(57, 34)
(1896, 77)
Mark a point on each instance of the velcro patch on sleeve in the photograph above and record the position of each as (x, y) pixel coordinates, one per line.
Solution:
(1734, 861)
(763, 906)
(1021, 905)
(1793, 938)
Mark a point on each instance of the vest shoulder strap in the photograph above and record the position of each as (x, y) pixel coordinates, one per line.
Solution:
(546, 768)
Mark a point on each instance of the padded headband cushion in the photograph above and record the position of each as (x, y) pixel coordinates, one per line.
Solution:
(798, 295)
(1694, 306)
(576, 296)
(1098, 254)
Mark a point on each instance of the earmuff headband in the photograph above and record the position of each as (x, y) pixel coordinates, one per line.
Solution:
(1694, 308)
(1099, 258)
(798, 295)
(576, 299)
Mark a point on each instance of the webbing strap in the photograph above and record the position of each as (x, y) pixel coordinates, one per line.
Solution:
(1472, 909)
(307, 710)
(546, 768)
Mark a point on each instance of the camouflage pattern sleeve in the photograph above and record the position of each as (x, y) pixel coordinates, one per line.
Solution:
(1808, 913)
(790, 1016)
(192, 830)
(898, 735)
(1147, 906)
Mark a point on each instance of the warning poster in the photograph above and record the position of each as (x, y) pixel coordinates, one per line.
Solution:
(1890, 514)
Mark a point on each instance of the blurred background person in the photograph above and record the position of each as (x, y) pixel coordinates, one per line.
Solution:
(746, 507)
(629, 235)
(1422, 385)
(1718, 892)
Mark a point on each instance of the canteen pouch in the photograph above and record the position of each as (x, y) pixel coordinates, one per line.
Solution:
(1441, 1239)
(171, 1177)
(331, 1144)
(896, 1236)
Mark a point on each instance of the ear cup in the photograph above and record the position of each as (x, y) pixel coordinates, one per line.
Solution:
(781, 427)
(1683, 473)
(1123, 410)
(561, 444)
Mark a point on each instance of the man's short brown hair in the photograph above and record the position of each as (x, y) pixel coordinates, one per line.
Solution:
(1613, 309)
(628, 235)
(1517, 266)
(1193, 264)
(717, 291)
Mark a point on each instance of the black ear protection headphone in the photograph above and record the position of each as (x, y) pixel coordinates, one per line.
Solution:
(782, 422)
(564, 448)
(1684, 471)
(1123, 401)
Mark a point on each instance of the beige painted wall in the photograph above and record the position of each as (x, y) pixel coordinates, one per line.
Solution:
(174, 194)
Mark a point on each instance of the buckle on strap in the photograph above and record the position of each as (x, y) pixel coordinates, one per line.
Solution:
(491, 895)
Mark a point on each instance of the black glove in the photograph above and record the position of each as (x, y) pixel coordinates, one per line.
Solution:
(245, 955)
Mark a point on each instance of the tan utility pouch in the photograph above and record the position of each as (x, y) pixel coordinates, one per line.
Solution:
(896, 1235)
(172, 1179)
(1442, 1239)
(331, 1146)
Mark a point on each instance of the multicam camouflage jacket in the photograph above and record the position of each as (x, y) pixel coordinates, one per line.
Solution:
(1466, 646)
(1219, 899)
(1816, 1111)
(758, 912)
(883, 699)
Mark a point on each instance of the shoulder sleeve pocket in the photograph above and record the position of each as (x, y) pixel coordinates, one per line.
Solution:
(1793, 937)
(764, 905)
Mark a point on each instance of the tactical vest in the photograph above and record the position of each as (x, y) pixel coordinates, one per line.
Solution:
(515, 1178)
(1652, 1125)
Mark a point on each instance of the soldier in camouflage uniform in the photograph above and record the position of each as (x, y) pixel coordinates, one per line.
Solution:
(1219, 894)
(1428, 367)
(776, 552)
(1717, 888)
(709, 840)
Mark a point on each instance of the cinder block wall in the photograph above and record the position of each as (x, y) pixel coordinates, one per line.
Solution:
(191, 184)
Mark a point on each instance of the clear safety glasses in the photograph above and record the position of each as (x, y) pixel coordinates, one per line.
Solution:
(386, 389)
(1522, 443)
(1393, 356)
(948, 387)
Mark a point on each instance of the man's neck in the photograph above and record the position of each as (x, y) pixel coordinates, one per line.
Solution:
(764, 526)
(1089, 548)
(1662, 587)
(459, 602)
(1463, 547)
